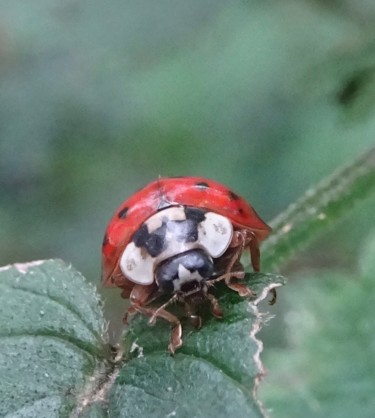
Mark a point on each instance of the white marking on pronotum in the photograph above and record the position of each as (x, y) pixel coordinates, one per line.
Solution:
(136, 268)
(215, 234)
(153, 224)
(176, 213)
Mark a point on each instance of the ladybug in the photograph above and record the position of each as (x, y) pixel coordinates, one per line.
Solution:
(177, 236)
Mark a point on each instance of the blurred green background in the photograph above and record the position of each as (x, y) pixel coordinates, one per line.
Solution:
(98, 98)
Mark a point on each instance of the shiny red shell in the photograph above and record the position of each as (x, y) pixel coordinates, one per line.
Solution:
(171, 191)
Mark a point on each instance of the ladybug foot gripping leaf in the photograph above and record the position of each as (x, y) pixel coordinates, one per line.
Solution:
(176, 335)
(142, 295)
(240, 288)
(215, 307)
(273, 297)
(178, 236)
(190, 301)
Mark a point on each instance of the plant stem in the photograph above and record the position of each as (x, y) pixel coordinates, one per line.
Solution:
(331, 199)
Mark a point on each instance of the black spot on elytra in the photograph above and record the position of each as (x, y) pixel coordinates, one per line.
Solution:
(241, 212)
(233, 196)
(195, 214)
(202, 185)
(105, 240)
(123, 212)
(154, 243)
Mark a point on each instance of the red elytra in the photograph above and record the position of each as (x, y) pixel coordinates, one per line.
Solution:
(196, 192)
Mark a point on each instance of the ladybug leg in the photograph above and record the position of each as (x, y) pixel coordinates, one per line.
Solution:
(195, 319)
(130, 312)
(162, 308)
(240, 240)
(254, 252)
(215, 307)
(140, 296)
(273, 297)
(240, 288)
(238, 243)
(233, 274)
(125, 294)
(175, 340)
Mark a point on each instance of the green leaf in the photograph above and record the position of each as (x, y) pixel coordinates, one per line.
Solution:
(319, 208)
(327, 367)
(215, 372)
(367, 259)
(52, 343)
(55, 360)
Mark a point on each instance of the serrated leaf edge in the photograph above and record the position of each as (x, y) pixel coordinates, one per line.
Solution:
(257, 325)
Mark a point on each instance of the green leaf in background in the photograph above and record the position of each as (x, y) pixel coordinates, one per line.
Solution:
(327, 368)
(319, 208)
(51, 340)
(215, 372)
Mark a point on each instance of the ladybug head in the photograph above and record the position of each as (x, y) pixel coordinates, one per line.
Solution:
(184, 272)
